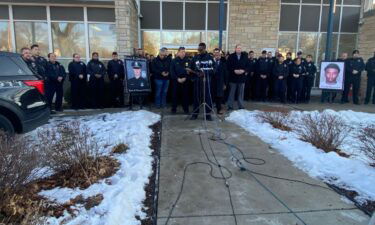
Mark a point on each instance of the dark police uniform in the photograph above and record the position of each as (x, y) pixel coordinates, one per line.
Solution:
(78, 85)
(117, 85)
(178, 70)
(251, 80)
(289, 62)
(280, 70)
(262, 68)
(53, 71)
(219, 80)
(199, 83)
(370, 68)
(96, 83)
(271, 64)
(41, 62)
(308, 81)
(297, 82)
(353, 79)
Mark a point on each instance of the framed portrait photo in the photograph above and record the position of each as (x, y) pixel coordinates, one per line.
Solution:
(137, 75)
(332, 76)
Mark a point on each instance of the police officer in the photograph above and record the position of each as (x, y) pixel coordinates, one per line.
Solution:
(138, 82)
(201, 80)
(355, 66)
(280, 73)
(308, 79)
(78, 80)
(179, 78)
(263, 74)
(219, 79)
(27, 58)
(289, 62)
(370, 68)
(272, 61)
(297, 71)
(55, 75)
(96, 72)
(251, 79)
(299, 55)
(116, 75)
(39, 60)
(238, 65)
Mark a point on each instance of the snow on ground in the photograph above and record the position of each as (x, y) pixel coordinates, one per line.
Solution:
(123, 198)
(350, 173)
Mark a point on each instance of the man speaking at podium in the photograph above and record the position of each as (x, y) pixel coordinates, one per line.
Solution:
(201, 73)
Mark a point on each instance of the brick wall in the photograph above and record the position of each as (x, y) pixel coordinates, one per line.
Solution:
(127, 26)
(254, 24)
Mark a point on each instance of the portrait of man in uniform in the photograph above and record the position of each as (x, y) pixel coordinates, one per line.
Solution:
(137, 75)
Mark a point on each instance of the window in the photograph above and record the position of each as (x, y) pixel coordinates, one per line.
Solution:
(172, 15)
(310, 18)
(322, 46)
(213, 40)
(287, 42)
(60, 13)
(289, 17)
(5, 37)
(28, 33)
(350, 19)
(195, 37)
(336, 19)
(150, 12)
(347, 43)
(101, 14)
(195, 16)
(172, 37)
(151, 41)
(308, 43)
(4, 12)
(68, 38)
(29, 12)
(213, 16)
(369, 5)
(102, 39)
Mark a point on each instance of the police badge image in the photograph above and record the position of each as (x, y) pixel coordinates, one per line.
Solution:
(332, 76)
(137, 75)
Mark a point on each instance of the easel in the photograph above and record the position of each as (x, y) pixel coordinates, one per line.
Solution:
(139, 97)
(330, 94)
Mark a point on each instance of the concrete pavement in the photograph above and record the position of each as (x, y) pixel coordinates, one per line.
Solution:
(256, 199)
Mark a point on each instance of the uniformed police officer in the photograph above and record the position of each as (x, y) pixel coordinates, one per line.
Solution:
(39, 60)
(219, 79)
(272, 60)
(289, 62)
(308, 79)
(96, 72)
(297, 71)
(137, 82)
(250, 92)
(78, 80)
(55, 75)
(370, 68)
(280, 73)
(355, 66)
(201, 80)
(179, 78)
(116, 75)
(263, 74)
(299, 55)
(27, 58)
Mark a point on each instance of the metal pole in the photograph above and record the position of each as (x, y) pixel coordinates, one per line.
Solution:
(329, 31)
(221, 23)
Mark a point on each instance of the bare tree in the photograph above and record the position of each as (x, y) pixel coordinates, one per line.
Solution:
(277, 119)
(366, 137)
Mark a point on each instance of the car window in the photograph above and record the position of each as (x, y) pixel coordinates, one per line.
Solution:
(13, 66)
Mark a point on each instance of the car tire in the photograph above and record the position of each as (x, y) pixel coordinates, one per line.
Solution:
(6, 125)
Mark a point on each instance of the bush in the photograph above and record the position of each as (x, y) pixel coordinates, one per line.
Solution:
(324, 131)
(18, 163)
(366, 137)
(276, 119)
(69, 146)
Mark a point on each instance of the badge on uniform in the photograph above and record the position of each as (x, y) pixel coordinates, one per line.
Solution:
(82, 63)
(142, 85)
(186, 64)
(359, 60)
(100, 65)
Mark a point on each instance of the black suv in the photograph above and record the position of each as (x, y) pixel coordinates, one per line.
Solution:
(22, 102)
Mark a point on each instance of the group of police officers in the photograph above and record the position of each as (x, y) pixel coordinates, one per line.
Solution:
(237, 76)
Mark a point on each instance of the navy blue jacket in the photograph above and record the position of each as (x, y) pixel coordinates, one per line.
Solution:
(54, 70)
(95, 67)
(75, 69)
(234, 63)
(159, 65)
(116, 67)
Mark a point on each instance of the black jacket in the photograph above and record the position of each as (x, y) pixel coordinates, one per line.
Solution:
(161, 65)
(235, 64)
(355, 64)
(262, 67)
(310, 69)
(204, 57)
(280, 70)
(42, 64)
(178, 68)
(271, 63)
(116, 67)
(370, 67)
(252, 66)
(54, 70)
(298, 69)
(95, 67)
(75, 69)
(219, 78)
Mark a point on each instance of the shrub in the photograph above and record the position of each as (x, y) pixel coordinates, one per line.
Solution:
(324, 131)
(366, 137)
(69, 146)
(277, 119)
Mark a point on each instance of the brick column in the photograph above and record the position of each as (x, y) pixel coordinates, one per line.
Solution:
(254, 24)
(126, 26)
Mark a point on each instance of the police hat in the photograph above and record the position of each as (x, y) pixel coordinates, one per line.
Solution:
(299, 53)
(332, 66)
(136, 65)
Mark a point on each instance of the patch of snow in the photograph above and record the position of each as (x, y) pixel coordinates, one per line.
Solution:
(123, 197)
(348, 173)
